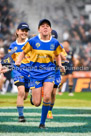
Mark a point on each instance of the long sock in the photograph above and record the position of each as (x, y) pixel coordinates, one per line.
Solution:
(20, 111)
(51, 106)
(45, 108)
(70, 88)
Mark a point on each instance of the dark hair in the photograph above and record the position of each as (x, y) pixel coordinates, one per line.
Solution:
(68, 41)
(44, 20)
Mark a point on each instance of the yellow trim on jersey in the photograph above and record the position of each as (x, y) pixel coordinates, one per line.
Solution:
(27, 47)
(32, 87)
(42, 56)
(9, 50)
(53, 82)
(58, 50)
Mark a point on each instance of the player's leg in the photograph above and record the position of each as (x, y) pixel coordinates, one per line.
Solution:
(26, 93)
(63, 80)
(70, 78)
(36, 87)
(36, 96)
(26, 83)
(53, 96)
(20, 102)
(48, 88)
(19, 82)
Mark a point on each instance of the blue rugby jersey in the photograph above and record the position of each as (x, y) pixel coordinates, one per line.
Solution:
(25, 64)
(19, 47)
(42, 56)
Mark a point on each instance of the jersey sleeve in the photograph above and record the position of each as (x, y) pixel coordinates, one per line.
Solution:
(27, 47)
(64, 52)
(59, 48)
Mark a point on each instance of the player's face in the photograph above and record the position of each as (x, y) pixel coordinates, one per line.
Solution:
(45, 29)
(1, 54)
(22, 33)
(66, 46)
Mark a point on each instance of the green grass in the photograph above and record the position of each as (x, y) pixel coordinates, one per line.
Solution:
(82, 99)
(72, 116)
(66, 122)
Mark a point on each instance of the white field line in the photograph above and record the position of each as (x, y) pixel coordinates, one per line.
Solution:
(39, 114)
(46, 134)
(48, 124)
(85, 108)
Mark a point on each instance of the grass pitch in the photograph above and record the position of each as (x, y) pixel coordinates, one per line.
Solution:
(82, 99)
(72, 117)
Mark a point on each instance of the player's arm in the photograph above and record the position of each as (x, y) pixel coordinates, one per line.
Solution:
(59, 63)
(27, 47)
(63, 57)
(19, 59)
(58, 51)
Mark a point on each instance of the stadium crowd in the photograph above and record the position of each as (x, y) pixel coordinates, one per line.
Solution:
(7, 35)
(78, 32)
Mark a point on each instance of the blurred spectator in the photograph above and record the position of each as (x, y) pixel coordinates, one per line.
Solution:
(2, 77)
(1, 41)
(7, 28)
(76, 28)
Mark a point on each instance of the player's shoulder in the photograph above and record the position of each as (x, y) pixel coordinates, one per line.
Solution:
(13, 44)
(32, 40)
(55, 41)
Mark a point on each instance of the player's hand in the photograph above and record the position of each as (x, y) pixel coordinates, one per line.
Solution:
(3, 69)
(17, 63)
(62, 68)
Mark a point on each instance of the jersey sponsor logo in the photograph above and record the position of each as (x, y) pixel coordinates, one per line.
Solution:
(7, 60)
(58, 81)
(21, 77)
(52, 46)
(37, 82)
(37, 45)
(40, 56)
(15, 48)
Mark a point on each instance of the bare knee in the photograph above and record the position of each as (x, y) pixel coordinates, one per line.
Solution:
(37, 103)
(46, 98)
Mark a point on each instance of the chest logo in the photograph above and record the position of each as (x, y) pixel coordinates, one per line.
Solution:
(52, 46)
(37, 45)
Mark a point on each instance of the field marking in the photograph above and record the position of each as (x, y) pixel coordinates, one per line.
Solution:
(46, 134)
(39, 114)
(34, 122)
(48, 124)
(85, 108)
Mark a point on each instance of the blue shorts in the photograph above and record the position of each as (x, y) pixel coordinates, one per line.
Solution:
(21, 77)
(68, 68)
(36, 83)
(57, 77)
